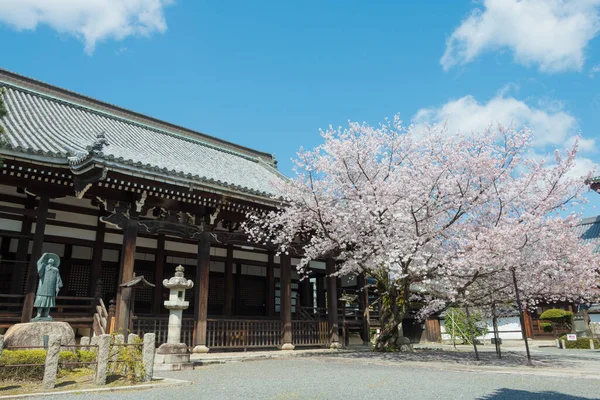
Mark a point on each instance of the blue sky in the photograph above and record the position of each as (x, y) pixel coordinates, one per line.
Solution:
(268, 74)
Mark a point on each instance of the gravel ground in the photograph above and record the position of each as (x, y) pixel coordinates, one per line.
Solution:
(373, 376)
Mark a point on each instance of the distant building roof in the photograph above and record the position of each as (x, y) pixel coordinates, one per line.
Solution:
(589, 230)
(53, 125)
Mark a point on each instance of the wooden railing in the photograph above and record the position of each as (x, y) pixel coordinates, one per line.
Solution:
(310, 333)
(77, 311)
(160, 326)
(238, 333)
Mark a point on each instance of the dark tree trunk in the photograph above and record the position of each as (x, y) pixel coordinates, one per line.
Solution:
(393, 309)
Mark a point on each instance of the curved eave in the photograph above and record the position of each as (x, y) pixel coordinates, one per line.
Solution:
(178, 180)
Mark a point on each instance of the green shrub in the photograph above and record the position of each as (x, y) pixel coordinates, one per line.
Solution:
(86, 355)
(129, 361)
(34, 372)
(560, 320)
(580, 343)
(546, 326)
(457, 325)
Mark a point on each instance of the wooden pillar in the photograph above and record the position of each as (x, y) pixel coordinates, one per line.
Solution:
(201, 298)
(228, 303)
(97, 254)
(18, 275)
(237, 296)
(285, 313)
(125, 275)
(159, 274)
(363, 300)
(36, 253)
(270, 292)
(332, 304)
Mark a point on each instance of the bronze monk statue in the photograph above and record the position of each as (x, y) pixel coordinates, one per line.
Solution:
(48, 287)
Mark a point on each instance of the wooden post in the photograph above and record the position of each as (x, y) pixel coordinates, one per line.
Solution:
(97, 253)
(201, 311)
(18, 275)
(363, 300)
(332, 305)
(270, 292)
(125, 275)
(285, 277)
(159, 260)
(36, 253)
(228, 303)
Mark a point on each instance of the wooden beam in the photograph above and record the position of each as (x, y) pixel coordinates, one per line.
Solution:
(97, 254)
(332, 304)
(159, 289)
(25, 211)
(228, 303)
(18, 275)
(286, 302)
(36, 253)
(201, 310)
(270, 292)
(125, 275)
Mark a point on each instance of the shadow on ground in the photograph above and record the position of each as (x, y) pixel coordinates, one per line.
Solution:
(442, 356)
(511, 394)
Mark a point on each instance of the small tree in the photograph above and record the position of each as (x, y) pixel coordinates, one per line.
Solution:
(560, 320)
(459, 326)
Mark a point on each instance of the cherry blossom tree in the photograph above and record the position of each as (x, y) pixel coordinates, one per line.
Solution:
(410, 208)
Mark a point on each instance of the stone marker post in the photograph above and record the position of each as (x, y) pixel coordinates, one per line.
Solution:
(131, 338)
(592, 344)
(119, 339)
(103, 342)
(51, 367)
(564, 345)
(148, 355)
(85, 341)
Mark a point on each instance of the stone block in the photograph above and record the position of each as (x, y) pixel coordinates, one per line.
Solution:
(102, 359)
(85, 341)
(148, 354)
(200, 349)
(32, 333)
(172, 348)
(51, 367)
(131, 338)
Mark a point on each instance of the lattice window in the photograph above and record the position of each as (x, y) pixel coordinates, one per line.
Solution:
(109, 277)
(78, 281)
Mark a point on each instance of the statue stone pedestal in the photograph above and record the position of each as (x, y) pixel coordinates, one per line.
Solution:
(32, 333)
(174, 355)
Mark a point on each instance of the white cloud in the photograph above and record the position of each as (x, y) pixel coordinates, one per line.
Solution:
(89, 20)
(594, 70)
(466, 114)
(582, 167)
(552, 34)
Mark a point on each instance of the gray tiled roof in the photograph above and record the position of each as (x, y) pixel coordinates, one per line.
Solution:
(589, 230)
(44, 125)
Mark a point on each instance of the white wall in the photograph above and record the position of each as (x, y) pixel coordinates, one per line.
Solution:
(504, 324)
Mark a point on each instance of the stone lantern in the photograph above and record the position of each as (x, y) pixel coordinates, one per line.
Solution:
(173, 354)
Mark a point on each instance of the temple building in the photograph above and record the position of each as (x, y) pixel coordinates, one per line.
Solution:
(118, 195)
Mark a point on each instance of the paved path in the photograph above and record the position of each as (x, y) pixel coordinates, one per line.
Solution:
(374, 376)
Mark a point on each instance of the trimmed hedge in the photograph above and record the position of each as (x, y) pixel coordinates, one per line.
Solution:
(37, 356)
(580, 343)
